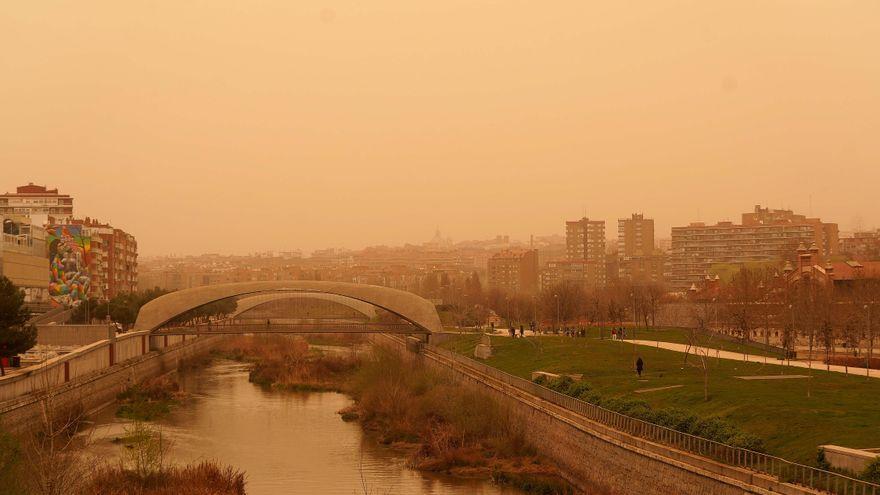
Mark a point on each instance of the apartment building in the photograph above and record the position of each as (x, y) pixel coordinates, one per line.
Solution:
(23, 258)
(36, 202)
(585, 241)
(764, 235)
(514, 271)
(638, 259)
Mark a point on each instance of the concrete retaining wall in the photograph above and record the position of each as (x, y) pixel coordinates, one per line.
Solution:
(86, 378)
(852, 460)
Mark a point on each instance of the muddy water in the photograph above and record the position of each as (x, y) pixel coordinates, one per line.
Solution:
(287, 443)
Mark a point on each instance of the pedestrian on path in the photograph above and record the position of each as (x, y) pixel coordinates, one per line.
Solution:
(640, 365)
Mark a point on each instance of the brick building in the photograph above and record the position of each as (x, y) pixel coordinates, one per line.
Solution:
(585, 242)
(638, 260)
(113, 265)
(514, 271)
(863, 246)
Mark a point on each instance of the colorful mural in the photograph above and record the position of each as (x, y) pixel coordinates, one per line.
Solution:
(69, 253)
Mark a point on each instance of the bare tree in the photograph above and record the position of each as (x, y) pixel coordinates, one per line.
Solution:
(700, 336)
(53, 456)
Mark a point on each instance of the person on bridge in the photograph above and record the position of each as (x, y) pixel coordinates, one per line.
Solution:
(640, 366)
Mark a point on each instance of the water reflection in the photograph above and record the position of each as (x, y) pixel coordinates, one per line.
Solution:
(288, 443)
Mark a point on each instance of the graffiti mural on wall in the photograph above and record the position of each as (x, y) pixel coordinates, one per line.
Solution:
(69, 252)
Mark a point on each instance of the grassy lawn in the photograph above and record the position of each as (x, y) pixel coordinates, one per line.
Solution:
(679, 336)
(842, 410)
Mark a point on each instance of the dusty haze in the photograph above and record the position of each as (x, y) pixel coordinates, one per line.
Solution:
(233, 126)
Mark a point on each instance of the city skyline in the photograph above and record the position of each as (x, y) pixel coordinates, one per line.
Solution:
(663, 232)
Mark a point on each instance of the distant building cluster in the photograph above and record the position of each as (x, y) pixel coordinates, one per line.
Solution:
(440, 269)
(60, 260)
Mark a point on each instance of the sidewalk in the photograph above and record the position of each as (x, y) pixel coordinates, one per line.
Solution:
(736, 356)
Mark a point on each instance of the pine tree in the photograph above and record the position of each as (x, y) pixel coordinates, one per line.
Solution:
(16, 336)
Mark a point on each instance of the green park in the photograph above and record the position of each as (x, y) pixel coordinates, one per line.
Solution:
(791, 416)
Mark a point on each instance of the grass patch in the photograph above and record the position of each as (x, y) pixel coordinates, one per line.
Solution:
(150, 399)
(840, 410)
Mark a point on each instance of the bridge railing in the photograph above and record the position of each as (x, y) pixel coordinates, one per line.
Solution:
(243, 328)
(783, 470)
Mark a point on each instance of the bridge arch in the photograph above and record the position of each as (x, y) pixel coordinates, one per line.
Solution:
(416, 310)
(253, 302)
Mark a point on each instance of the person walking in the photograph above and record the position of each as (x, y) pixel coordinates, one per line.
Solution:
(640, 366)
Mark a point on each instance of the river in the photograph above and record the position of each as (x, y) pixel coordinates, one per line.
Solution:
(287, 443)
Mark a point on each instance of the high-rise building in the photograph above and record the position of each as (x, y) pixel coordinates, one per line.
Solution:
(23, 258)
(38, 203)
(112, 264)
(585, 241)
(638, 260)
(514, 271)
(764, 236)
(635, 236)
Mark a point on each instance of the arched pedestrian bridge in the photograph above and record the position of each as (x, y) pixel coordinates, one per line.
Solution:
(414, 315)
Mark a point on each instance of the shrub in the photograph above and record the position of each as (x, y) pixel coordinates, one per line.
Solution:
(206, 477)
(149, 399)
(872, 471)
(713, 428)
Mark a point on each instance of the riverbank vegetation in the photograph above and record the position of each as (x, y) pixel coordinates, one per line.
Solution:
(150, 399)
(285, 363)
(446, 427)
(840, 409)
(143, 470)
(52, 460)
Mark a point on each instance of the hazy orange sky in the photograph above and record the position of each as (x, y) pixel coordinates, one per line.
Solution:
(236, 126)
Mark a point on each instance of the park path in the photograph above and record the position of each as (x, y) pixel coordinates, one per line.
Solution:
(737, 356)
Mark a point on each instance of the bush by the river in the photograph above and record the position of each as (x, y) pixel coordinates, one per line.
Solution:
(150, 399)
(288, 363)
(452, 428)
(204, 478)
(713, 428)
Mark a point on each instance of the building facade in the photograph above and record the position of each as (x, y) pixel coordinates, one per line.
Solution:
(585, 241)
(638, 259)
(38, 203)
(514, 271)
(23, 258)
(584, 273)
(765, 236)
(113, 260)
(863, 246)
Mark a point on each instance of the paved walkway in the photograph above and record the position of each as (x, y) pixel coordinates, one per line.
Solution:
(737, 356)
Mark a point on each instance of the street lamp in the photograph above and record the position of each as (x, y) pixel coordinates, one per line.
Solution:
(557, 311)
(870, 342)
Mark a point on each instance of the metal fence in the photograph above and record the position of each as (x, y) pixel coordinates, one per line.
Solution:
(783, 470)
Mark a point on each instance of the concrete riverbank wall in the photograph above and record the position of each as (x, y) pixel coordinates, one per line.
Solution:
(601, 460)
(91, 377)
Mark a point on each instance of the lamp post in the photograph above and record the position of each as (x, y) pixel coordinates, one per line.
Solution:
(870, 342)
(557, 310)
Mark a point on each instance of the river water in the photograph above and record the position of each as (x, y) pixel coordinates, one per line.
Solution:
(287, 443)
